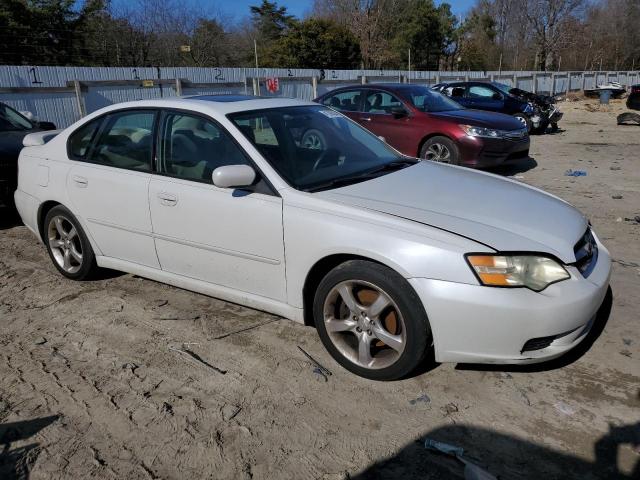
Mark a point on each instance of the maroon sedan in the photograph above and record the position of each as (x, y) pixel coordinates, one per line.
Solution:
(420, 122)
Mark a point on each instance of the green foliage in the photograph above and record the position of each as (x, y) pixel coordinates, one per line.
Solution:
(315, 43)
(271, 21)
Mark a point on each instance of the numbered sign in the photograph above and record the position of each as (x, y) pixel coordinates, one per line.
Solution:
(273, 85)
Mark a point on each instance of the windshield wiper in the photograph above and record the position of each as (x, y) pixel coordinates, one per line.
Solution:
(395, 165)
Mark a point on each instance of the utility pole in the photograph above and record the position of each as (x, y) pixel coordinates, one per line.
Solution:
(255, 51)
(409, 79)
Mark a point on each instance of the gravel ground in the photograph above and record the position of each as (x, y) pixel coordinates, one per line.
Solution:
(127, 378)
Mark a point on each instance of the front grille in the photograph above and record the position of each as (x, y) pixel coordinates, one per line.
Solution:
(586, 252)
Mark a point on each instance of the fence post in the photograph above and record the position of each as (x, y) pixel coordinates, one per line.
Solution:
(437, 77)
(534, 82)
(178, 87)
(256, 86)
(553, 84)
(492, 77)
(363, 79)
(314, 86)
(79, 99)
(568, 83)
(584, 80)
(515, 80)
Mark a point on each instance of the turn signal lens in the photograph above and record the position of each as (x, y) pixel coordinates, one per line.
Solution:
(531, 271)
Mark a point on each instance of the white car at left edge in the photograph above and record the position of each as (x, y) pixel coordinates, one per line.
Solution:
(290, 207)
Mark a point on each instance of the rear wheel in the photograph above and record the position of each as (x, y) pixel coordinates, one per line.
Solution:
(440, 149)
(68, 245)
(371, 320)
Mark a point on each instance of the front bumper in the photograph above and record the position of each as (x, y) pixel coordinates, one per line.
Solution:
(489, 152)
(478, 324)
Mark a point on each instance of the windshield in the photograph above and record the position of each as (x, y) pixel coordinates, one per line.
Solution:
(315, 148)
(12, 120)
(503, 88)
(428, 100)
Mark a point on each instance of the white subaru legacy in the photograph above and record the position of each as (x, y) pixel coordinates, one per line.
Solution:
(291, 208)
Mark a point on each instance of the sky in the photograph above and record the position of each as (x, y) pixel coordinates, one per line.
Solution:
(239, 8)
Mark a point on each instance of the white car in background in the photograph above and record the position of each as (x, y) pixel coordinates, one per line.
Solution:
(291, 208)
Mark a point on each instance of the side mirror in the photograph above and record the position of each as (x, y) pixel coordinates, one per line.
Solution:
(496, 96)
(399, 111)
(29, 116)
(233, 176)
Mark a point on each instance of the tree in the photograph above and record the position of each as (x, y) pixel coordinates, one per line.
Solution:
(271, 21)
(315, 43)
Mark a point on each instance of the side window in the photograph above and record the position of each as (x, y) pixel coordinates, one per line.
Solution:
(478, 91)
(454, 91)
(80, 140)
(192, 148)
(345, 101)
(126, 141)
(380, 102)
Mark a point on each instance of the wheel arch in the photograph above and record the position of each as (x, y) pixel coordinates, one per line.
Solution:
(44, 208)
(323, 266)
(430, 136)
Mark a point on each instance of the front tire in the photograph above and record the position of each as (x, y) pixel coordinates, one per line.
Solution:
(371, 320)
(440, 149)
(68, 245)
(524, 120)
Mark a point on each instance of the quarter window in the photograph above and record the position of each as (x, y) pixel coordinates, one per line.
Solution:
(80, 140)
(126, 141)
(193, 147)
(344, 101)
(380, 102)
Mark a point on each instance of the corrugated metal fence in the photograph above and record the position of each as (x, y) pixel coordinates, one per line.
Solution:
(64, 94)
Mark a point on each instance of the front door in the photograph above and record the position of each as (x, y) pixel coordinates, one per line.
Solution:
(377, 118)
(483, 97)
(231, 238)
(109, 181)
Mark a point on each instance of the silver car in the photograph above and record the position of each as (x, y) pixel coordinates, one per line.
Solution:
(292, 208)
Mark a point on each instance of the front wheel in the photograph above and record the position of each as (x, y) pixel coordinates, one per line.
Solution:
(371, 320)
(440, 149)
(524, 120)
(68, 245)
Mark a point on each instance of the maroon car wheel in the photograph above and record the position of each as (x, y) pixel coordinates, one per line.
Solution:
(440, 149)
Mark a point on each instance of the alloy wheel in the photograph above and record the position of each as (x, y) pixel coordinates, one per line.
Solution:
(364, 324)
(438, 152)
(65, 244)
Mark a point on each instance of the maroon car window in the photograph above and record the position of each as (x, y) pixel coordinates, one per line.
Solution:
(380, 102)
(344, 101)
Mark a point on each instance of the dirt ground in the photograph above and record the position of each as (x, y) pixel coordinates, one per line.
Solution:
(127, 378)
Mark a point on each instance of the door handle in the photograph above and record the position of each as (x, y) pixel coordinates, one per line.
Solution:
(365, 119)
(80, 182)
(167, 199)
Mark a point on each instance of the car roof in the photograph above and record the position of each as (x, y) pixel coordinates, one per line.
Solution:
(216, 104)
(369, 86)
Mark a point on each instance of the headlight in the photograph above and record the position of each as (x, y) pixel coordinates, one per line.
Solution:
(531, 271)
(482, 132)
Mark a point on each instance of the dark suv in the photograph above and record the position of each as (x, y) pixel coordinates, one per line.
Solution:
(536, 112)
(422, 123)
(13, 128)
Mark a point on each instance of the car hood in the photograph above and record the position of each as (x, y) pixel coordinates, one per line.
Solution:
(480, 118)
(11, 142)
(500, 213)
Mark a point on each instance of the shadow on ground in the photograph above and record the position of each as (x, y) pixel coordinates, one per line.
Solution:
(15, 463)
(506, 457)
(9, 218)
(515, 167)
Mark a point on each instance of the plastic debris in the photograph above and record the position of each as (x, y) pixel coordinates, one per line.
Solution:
(615, 167)
(575, 173)
(617, 196)
(424, 398)
(40, 341)
(635, 219)
(564, 408)
(628, 118)
(471, 470)
(442, 447)
(319, 369)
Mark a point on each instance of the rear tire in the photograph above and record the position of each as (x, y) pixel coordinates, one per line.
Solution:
(68, 245)
(371, 320)
(440, 149)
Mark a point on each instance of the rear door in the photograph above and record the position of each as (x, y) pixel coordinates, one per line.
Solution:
(377, 118)
(484, 97)
(108, 184)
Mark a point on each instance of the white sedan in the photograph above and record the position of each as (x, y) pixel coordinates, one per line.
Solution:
(291, 208)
